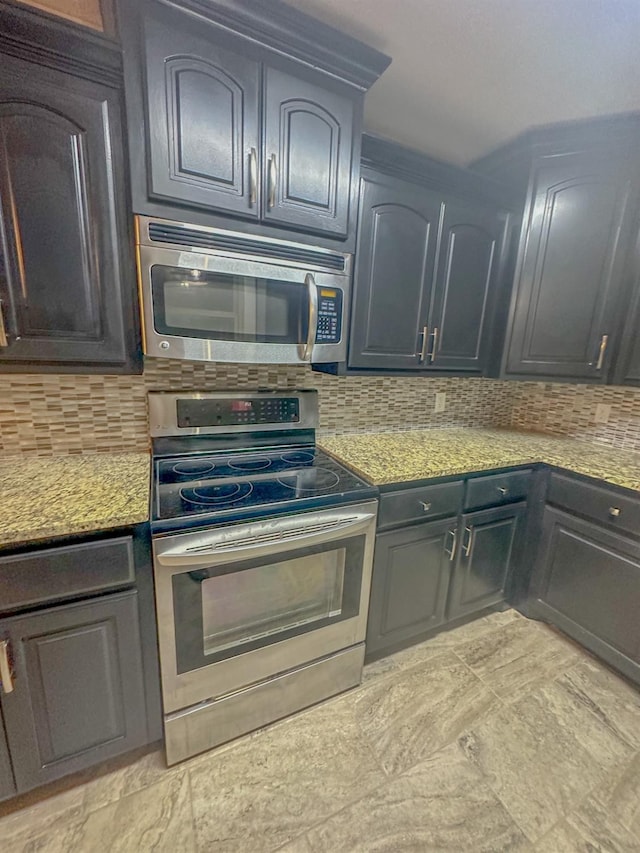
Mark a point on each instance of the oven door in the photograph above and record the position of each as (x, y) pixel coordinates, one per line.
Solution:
(238, 605)
(217, 308)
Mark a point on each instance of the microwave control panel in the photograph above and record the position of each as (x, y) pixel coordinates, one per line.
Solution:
(329, 328)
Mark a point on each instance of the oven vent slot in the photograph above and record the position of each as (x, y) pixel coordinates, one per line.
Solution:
(273, 536)
(194, 238)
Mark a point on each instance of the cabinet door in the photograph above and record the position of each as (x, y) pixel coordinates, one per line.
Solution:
(488, 551)
(627, 359)
(468, 264)
(202, 113)
(67, 281)
(410, 582)
(570, 267)
(395, 257)
(308, 154)
(78, 693)
(588, 583)
(7, 785)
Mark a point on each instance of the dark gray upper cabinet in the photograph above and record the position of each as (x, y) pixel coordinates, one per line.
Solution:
(471, 243)
(393, 280)
(204, 107)
(67, 279)
(578, 185)
(569, 277)
(429, 262)
(307, 159)
(7, 784)
(489, 540)
(627, 357)
(244, 109)
(78, 695)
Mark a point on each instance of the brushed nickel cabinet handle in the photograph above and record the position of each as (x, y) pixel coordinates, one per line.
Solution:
(468, 547)
(4, 342)
(6, 673)
(454, 543)
(604, 340)
(423, 349)
(426, 505)
(253, 177)
(614, 511)
(273, 180)
(504, 491)
(434, 335)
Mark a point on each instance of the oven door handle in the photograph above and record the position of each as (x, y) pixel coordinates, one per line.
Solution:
(312, 290)
(257, 545)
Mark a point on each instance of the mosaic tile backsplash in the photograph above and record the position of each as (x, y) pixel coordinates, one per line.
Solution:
(53, 414)
(50, 414)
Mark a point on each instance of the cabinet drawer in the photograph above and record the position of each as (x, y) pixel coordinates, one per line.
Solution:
(601, 504)
(420, 503)
(497, 489)
(67, 572)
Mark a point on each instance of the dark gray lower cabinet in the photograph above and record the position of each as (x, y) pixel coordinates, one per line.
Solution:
(78, 694)
(488, 542)
(7, 784)
(410, 582)
(587, 582)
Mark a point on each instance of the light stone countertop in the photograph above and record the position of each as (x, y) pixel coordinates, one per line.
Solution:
(42, 497)
(399, 457)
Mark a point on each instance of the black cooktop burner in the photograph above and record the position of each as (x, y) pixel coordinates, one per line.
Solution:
(312, 480)
(223, 493)
(195, 489)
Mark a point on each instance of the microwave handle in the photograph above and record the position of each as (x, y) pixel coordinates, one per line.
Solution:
(307, 350)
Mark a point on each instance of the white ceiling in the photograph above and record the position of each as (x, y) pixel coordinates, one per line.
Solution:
(468, 75)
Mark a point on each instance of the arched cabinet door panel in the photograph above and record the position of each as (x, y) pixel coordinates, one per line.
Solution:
(202, 103)
(66, 281)
(468, 267)
(307, 155)
(570, 272)
(397, 236)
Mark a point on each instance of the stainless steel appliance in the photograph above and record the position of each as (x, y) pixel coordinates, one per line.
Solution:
(215, 295)
(262, 552)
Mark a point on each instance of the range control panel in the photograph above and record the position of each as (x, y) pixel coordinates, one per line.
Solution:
(329, 328)
(237, 411)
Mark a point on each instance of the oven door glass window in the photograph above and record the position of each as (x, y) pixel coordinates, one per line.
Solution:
(222, 306)
(233, 609)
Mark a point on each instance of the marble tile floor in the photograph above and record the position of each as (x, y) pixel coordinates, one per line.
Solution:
(499, 735)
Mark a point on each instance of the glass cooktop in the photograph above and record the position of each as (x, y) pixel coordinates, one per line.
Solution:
(191, 489)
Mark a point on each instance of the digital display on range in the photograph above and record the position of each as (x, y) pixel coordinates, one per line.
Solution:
(192, 414)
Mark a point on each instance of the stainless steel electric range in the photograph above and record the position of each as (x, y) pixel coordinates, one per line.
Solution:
(262, 552)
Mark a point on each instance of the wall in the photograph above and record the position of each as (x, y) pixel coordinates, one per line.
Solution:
(48, 414)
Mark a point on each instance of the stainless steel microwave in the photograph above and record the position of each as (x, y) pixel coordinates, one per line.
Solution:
(214, 295)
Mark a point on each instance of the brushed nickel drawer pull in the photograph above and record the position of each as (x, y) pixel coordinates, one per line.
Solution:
(454, 543)
(425, 340)
(434, 335)
(504, 491)
(4, 342)
(253, 177)
(426, 505)
(614, 511)
(273, 181)
(6, 673)
(604, 340)
(469, 545)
